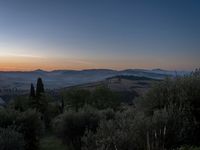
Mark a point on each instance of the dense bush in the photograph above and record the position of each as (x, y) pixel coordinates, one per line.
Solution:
(103, 98)
(43, 104)
(167, 128)
(8, 118)
(71, 126)
(51, 112)
(165, 118)
(27, 123)
(181, 93)
(76, 98)
(120, 133)
(11, 140)
(170, 128)
(20, 103)
(100, 98)
(31, 127)
(107, 114)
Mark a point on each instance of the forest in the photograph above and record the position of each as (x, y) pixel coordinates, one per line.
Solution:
(167, 117)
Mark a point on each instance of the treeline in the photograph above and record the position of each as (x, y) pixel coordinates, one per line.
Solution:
(166, 118)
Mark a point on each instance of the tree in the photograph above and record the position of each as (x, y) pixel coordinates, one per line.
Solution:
(40, 88)
(37, 100)
(26, 124)
(103, 98)
(32, 91)
(11, 139)
(71, 126)
(181, 93)
(76, 98)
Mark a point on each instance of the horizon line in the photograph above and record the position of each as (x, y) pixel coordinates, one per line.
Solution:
(46, 70)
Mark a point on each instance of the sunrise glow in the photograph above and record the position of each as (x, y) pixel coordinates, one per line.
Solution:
(98, 35)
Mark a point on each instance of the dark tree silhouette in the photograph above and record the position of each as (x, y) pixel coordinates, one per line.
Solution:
(62, 105)
(32, 91)
(40, 88)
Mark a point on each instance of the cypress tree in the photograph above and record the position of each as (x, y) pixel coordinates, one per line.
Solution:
(40, 88)
(32, 91)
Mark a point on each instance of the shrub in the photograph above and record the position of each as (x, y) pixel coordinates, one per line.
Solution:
(166, 129)
(103, 98)
(11, 140)
(76, 98)
(27, 123)
(107, 114)
(52, 111)
(71, 126)
(118, 133)
(8, 117)
(100, 98)
(169, 128)
(20, 103)
(31, 127)
(181, 93)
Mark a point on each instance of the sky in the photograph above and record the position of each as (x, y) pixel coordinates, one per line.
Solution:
(91, 34)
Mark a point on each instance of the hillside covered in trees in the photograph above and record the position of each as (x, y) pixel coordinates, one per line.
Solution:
(166, 117)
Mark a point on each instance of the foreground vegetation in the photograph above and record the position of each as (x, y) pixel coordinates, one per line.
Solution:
(166, 118)
(51, 142)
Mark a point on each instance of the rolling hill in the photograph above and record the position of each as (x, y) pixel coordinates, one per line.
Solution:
(65, 78)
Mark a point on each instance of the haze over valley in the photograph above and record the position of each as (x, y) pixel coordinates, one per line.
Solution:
(65, 78)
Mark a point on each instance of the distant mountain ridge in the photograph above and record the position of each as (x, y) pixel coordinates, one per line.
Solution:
(65, 78)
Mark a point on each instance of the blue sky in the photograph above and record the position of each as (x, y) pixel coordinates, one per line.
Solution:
(84, 34)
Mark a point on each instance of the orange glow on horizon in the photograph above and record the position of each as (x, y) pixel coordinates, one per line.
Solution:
(33, 63)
